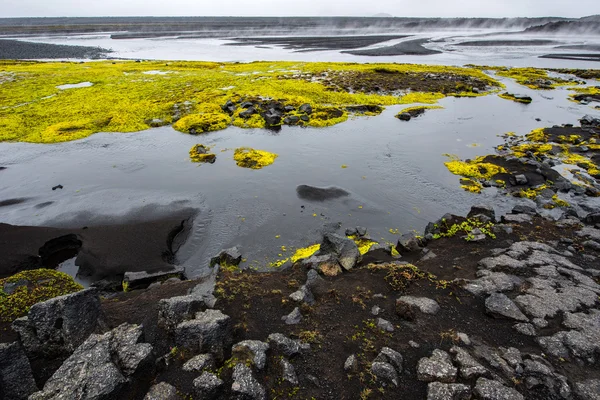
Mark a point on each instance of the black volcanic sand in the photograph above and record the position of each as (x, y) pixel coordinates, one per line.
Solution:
(533, 42)
(317, 43)
(313, 193)
(569, 56)
(16, 49)
(408, 48)
(103, 251)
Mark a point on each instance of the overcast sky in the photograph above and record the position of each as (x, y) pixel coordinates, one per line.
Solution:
(399, 8)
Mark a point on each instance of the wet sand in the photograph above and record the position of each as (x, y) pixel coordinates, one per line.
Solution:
(569, 56)
(534, 42)
(16, 49)
(103, 251)
(410, 47)
(317, 42)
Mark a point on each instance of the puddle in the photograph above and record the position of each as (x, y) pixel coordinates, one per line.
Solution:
(75, 85)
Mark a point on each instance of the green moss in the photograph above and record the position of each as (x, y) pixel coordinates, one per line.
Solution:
(32, 287)
(251, 158)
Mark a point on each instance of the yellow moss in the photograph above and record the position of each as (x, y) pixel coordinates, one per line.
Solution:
(201, 123)
(33, 287)
(569, 139)
(124, 98)
(471, 185)
(559, 202)
(323, 117)
(200, 153)
(473, 169)
(255, 121)
(251, 158)
(537, 135)
(533, 78)
(418, 108)
(364, 245)
(536, 148)
(299, 254)
(421, 97)
(508, 96)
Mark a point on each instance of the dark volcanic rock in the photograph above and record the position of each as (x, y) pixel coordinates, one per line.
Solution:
(162, 391)
(58, 326)
(209, 332)
(313, 193)
(143, 279)
(344, 248)
(16, 378)
(208, 386)
(101, 367)
(228, 257)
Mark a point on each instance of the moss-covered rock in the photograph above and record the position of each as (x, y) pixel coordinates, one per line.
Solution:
(200, 153)
(251, 158)
(202, 123)
(21, 291)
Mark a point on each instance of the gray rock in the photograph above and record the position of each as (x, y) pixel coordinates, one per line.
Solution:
(589, 232)
(409, 243)
(385, 325)
(499, 305)
(58, 326)
(512, 356)
(469, 367)
(487, 389)
(199, 363)
(288, 347)
(524, 209)
(245, 386)
(385, 372)
(143, 279)
(375, 310)
(424, 304)
(253, 350)
(525, 329)
(303, 295)
(404, 117)
(392, 357)
(521, 179)
(288, 372)
(464, 338)
(209, 332)
(175, 310)
(516, 218)
(305, 108)
(482, 209)
(16, 377)
(343, 248)
(588, 390)
(351, 364)
(438, 367)
(208, 386)
(448, 391)
(592, 245)
(228, 257)
(100, 367)
(162, 391)
(293, 318)
(490, 282)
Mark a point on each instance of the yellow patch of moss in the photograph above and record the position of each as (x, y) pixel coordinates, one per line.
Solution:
(255, 121)
(200, 153)
(32, 287)
(476, 168)
(363, 244)
(534, 78)
(537, 148)
(537, 135)
(251, 158)
(418, 108)
(299, 254)
(421, 97)
(508, 96)
(123, 98)
(201, 123)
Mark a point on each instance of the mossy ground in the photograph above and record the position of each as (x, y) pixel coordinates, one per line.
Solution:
(127, 96)
(21, 291)
(533, 78)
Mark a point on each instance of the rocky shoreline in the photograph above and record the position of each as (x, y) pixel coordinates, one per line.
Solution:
(477, 307)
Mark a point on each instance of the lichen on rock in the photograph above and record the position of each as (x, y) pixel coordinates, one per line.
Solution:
(200, 153)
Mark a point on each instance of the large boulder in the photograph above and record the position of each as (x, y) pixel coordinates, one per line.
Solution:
(438, 367)
(209, 332)
(409, 243)
(343, 248)
(500, 306)
(16, 378)
(253, 351)
(208, 386)
(162, 391)
(175, 310)
(245, 386)
(58, 326)
(487, 389)
(101, 367)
